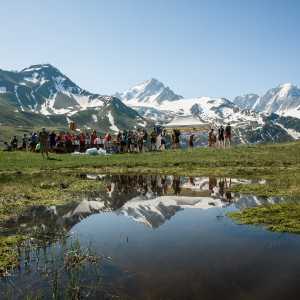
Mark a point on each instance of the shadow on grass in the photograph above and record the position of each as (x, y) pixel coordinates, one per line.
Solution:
(53, 158)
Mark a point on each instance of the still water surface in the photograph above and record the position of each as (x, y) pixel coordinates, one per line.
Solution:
(169, 238)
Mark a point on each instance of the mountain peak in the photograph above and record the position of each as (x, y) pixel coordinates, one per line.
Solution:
(151, 83)
(150, 91)
(284, 99)
(153, 80)
(39, 67)
(287, 85)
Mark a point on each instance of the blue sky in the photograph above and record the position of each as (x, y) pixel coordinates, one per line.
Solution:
(198, 48)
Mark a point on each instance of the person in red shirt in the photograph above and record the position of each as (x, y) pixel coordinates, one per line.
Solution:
(82, 142)
(107, 140)
(93, 137)
(68, 142)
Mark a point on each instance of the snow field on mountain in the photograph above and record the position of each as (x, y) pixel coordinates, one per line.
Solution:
(113, 127)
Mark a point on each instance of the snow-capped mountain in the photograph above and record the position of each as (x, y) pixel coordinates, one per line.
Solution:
(41, 95)
(157, 211)
(283, 100)
(248, 125)
(147, 97)
(42, 91)
(150, 92)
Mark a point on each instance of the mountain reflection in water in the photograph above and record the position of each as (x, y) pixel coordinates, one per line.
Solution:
(150, 200)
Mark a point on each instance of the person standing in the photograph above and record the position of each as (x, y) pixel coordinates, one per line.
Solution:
(68, 142)
(119, 142)
(191, 141)
(153, 140)
(75, 142)
(97, 142)
(135, 142)
(43, 139)
(145, 140)
(107, 141)
(93, 137)
(52, 139)
(210, 137)
(163, 140)
(140, 141)
(227, 135)
(87, 140)
(221, 136)
(25, 142)
(158, 142)
(125, 141)
(14, 143)
(177, 134)
(82, 141)
(33, 141)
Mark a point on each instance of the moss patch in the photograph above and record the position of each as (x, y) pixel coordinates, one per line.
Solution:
(283, 217)
(9, 256)
(21, 190)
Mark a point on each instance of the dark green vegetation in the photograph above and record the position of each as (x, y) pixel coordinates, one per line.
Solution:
(27, 180)
(19, 190)
(283, 217)
(9, 256)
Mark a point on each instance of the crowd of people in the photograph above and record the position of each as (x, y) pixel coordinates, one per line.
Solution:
(134, 141)
(222, 138)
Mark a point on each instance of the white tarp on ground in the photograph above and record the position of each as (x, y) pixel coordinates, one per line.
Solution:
(92, 151)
